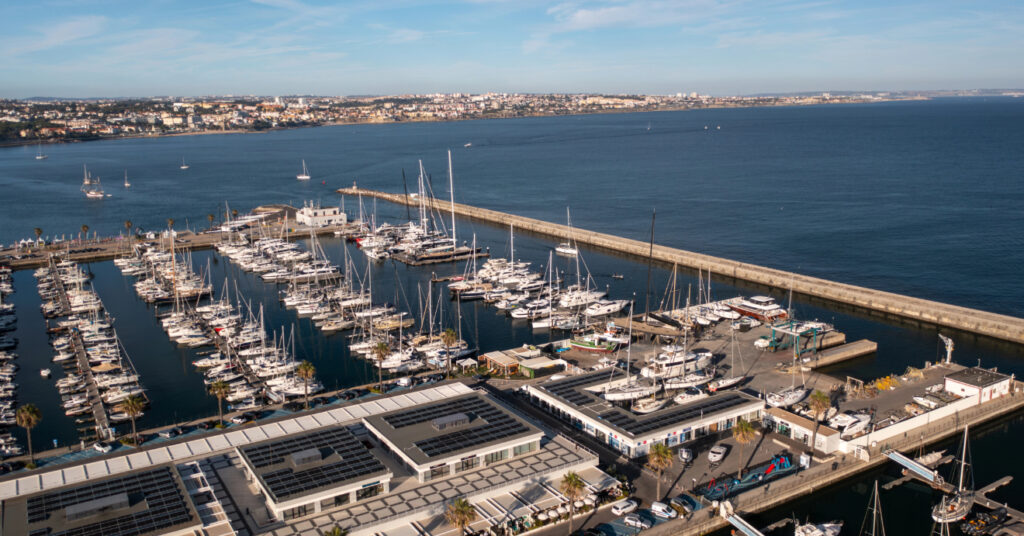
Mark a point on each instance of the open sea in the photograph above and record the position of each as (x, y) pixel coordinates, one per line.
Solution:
(922, 198)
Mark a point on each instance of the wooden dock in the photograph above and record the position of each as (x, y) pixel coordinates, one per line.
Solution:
(842, 353)
(931, 312)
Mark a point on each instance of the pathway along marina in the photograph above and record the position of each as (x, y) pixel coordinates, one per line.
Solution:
(943, 314)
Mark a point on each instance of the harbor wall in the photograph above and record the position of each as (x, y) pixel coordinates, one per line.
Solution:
(994, 325)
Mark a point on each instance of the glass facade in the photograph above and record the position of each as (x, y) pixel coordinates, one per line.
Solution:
(467, 464)
(369, 491)
(496, 457)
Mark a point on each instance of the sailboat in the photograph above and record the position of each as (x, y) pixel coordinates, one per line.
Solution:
(304, 176)
(90, 186)
(632, 389)
(126, 183)
(959, 505)
(39, 153)
(733, 378)
(183, 164)
(877, 525)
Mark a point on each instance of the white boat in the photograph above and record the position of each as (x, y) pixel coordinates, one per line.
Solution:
(566, 249)
(40, 155)
(956, 508)
(605, 307)
(304, 176)
(786, 397)
(648, 405)
(690, 394)
(762, 308)
(819, 529)
(629, 391)
(693, 379)
(183, 164)
(44, 372)
(724, 383)
(126, 183)
(849, 425)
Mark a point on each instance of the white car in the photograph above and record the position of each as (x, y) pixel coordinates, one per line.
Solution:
(717, 453)
(103, 447)
(636, 521)
(623, 507)
(663, 510)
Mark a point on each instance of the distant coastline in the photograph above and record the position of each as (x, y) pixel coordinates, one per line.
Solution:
(100, 137)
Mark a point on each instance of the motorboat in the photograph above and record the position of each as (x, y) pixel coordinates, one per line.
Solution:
(849, 425)
(605, 307)
(831, 528)
(690, 394)
(762, 308)
(648, 405)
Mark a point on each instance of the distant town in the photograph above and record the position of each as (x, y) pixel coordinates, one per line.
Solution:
(54, 120)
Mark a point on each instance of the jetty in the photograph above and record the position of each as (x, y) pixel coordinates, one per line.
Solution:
(994, 325)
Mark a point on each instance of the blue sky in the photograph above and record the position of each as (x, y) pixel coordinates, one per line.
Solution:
(721, 47)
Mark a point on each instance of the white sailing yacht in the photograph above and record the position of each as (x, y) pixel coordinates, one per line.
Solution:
(183, 164)
(959, 505)
(304, 176)
(632, 389)
(90, 186)
(39, 153)
(126, 183)
(733, 378)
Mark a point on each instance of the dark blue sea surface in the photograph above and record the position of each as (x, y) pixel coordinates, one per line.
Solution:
(921, 198)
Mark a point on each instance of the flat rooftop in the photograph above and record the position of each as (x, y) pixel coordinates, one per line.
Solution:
(309, 463)
(143, 503)
(573, 391)
(978, 377)
(461, 425)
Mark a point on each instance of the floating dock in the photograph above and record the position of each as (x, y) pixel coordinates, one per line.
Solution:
(942, 314)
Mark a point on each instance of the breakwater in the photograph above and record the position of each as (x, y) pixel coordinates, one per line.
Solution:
(941, 314)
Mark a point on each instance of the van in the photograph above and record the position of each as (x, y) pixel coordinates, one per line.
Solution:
(663, 510)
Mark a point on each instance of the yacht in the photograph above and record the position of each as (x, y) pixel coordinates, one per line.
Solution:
(304, 175)
(786, 397)
(40, 155)
(956, 508)
(692, 379)
(831, 528)
(126, 183)
(183, 164)
(648, 405)
(690, 394)
(605, 307)
(762, 308)
(566, 249)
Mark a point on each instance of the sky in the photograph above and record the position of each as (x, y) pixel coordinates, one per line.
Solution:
(112, 48)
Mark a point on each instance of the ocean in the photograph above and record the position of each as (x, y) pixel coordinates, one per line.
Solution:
(916, 197)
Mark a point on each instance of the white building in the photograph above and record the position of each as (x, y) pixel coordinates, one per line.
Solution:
(976, 381)
(312, 215)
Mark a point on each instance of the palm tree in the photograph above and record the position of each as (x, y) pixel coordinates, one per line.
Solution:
(39, 232)
(234, 213)
(27, 417)
(820, 402)
(128, 233)
(381, 351)
(210, 217)
(336, 531)
(448, 338)
(572, 487)
(133, 407)
(306, 371)
(743, 433)
(220, 390)
(85, 231)
(659, 459)
(460, 513)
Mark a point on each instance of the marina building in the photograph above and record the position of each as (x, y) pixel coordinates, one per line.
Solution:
(312, 215)
(578, 400)
(976, 381)
(385, 466)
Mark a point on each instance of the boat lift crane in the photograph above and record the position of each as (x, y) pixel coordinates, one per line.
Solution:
(949, 347)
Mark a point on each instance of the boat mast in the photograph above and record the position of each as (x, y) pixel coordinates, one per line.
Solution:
(650, 260)
(451, 191)
(963, 462)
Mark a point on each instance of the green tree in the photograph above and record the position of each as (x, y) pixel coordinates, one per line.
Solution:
(336, 531)
(659, 459)
(460, 513)
(210, 217)
(85, 231)
(381, 351)
(572, 487)
(306, 371)
(448, 338)
(743, 432)
(133, 406)
(27, 417)
(820, 402)
(220, 390)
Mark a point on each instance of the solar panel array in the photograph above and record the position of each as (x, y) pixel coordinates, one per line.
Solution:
(635, 426)
(570, 389)
(166, 505)
(356, 461)
(466, 404)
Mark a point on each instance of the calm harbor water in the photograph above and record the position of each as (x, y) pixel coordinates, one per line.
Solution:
(917, 197)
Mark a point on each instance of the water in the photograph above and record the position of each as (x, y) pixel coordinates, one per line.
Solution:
(918, 197)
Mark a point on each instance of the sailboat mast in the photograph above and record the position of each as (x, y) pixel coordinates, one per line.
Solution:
(963, 462)
(650, 260)
(451, 191)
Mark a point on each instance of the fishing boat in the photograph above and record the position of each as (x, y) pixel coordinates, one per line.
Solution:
(593, 343)
(956, 508)
(304, 175)
(126, 183)
(183, 164)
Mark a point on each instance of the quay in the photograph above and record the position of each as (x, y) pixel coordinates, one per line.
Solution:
(931, 312)
(844, 352)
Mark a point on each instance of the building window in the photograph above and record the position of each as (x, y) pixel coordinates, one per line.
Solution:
(519, 450)
(337, 500)
(298, 511)
(496, 457)
(466, 464)
(368, 491)
(438, 471)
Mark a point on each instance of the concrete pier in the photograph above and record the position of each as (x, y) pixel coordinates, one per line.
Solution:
(941, 314)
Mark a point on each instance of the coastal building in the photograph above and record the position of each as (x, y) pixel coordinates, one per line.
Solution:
(578, 400)
(312, 215)
(976, 381)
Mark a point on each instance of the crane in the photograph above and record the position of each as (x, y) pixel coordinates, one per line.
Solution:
(949, 347)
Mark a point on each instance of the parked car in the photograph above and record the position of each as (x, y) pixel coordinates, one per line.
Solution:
(636, 522)
(663, 510)
(624, 507)
(243, 418)
(103, 447)
(169, 432)
(717, 453)
(682, 504)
